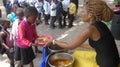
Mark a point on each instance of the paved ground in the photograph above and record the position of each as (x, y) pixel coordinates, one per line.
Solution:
(65, 34)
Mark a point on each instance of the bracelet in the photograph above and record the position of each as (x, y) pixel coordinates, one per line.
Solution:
(53, 42)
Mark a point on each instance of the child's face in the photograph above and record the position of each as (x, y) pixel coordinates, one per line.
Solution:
(20, 16)
(32, 19)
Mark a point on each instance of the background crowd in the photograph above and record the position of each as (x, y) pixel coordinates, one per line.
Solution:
(50, 10)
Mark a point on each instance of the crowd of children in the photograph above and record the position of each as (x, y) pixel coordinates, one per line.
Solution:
(62, 10)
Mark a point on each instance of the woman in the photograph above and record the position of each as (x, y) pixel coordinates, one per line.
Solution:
(100, 37)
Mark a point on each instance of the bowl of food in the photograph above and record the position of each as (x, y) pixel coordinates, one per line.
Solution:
(42, 40)
(61, 60)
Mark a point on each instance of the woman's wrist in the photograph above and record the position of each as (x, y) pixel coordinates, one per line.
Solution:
(53, 41)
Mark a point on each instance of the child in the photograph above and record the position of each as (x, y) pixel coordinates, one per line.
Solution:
(5, 42)
(14, 31)
(65, 6)
(20, 14)
(46, 8)
(72, 13)
(59, 13)
(12, 16)
(26, 34)
(53, 14)
(39, 7)
(8, 6)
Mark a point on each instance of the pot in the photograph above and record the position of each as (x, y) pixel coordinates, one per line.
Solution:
(61, 60)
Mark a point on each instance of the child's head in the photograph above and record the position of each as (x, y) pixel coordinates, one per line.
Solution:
(31, 14)
(14, 8)
(20, 13)
(4, 23)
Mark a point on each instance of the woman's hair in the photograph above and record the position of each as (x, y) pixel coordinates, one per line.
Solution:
(30, 11)
(99, 9)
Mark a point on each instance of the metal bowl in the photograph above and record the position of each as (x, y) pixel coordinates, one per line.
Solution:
(55, 49)
(58, 57)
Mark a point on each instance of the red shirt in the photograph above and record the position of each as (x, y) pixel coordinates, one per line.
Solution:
(26, 34)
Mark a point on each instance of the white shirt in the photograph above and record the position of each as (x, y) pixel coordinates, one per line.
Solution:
(39, 6)
(14, 30)
(46, 7)
(12, 1)
(53, 12)
(66, 4)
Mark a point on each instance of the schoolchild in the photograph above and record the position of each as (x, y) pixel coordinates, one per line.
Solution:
(26, 34)
(6, 45)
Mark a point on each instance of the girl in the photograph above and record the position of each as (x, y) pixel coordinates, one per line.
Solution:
(26, 34)
(20, 14)
(5, 42)
(72, 13)
(100, 37)
(12, 16)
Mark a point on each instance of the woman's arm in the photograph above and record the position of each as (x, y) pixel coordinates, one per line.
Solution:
(84, 35)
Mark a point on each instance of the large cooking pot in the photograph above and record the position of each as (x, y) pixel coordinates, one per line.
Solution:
(61, 60)
(56, 49)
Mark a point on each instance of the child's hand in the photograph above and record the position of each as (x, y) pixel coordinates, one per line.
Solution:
(11, 50)
(34, 44)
